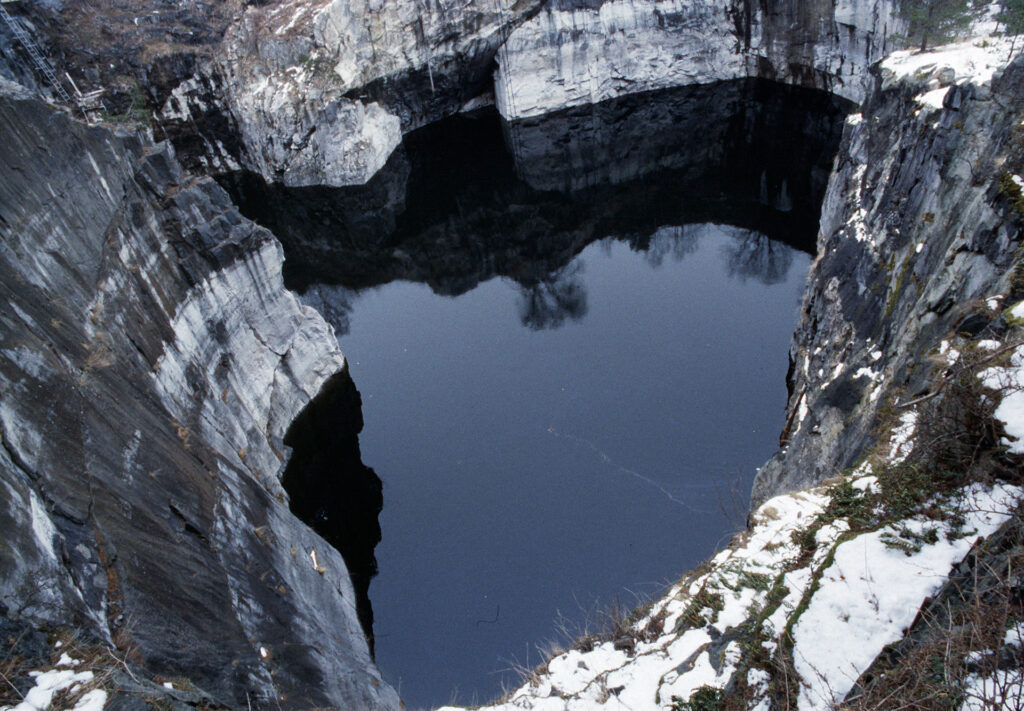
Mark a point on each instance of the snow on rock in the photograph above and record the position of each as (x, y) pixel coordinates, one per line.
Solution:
(48, 683)
(93, 700)
(1004, 689)
(902, 437)
(1010, 412)
(975, 61)
(872, 591)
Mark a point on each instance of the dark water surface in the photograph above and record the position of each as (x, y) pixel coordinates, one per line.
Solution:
(570, 337)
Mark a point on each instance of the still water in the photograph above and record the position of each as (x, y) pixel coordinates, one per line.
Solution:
(570, 336)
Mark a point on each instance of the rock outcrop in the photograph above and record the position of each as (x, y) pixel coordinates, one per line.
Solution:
(917, 225)
(584, 51)
(151, 365)
(321, 92)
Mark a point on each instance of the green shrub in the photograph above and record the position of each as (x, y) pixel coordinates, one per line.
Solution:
(706, 698)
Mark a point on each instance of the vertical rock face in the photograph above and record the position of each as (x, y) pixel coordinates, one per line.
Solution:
(150, 364)
(915, 226)
(583, 51)
(321, 92)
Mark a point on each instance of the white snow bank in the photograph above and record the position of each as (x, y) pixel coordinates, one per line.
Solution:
(1010, 411)
(1002, 691)
(871, 593)
(48, 683)
(973, 61)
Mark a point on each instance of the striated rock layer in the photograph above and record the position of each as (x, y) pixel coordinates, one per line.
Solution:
(578, 52)
(321, 92)
(916, 225)
(151, 363)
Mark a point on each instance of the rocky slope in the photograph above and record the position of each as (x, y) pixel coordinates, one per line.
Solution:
(909, 364)
(151, 363)
(917, 227)
(578, 52)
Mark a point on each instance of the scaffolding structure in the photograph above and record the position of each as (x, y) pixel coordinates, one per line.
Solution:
(42, 64)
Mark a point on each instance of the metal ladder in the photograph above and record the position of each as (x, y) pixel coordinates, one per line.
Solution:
(42, 63)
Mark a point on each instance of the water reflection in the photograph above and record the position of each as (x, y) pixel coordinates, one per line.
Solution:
(472, 198)
(755, 256)
(555, 298)
(533, 457)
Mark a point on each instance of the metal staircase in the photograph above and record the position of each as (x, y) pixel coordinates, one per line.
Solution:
(42, 64)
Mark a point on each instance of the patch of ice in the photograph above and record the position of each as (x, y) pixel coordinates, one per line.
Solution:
(66, 661)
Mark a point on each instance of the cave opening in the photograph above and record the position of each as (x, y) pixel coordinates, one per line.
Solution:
(570, 334)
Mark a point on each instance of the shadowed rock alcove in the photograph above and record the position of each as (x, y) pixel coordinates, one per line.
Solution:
(331, 489)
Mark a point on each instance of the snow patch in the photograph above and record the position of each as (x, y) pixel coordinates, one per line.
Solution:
(1010, 411)
(971, 61)
(48, 683)
(901, 443)
(871, 593)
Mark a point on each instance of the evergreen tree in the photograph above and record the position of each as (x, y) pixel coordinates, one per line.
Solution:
(937, 21)
(1011, 15)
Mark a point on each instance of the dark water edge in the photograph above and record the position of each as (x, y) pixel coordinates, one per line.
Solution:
(331, 489)
(470, 199)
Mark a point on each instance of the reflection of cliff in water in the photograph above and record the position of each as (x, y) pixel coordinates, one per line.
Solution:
(469, 198)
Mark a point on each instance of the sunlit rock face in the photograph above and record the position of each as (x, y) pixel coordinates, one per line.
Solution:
(584, 51)
(319, 93)
(151, 362)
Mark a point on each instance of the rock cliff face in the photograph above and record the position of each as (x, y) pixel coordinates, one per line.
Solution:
(583, 51)
(303, 92)
(915, 227)
(314, 92)
(151, 365)
(321, 92)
